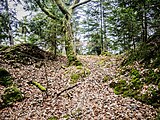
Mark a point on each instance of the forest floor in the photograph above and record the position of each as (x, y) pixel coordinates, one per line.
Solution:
(87, 98)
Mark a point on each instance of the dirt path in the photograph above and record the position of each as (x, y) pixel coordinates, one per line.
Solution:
(91, 99)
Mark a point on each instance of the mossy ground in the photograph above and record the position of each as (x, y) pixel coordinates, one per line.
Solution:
(79, 73)
(146, 80)
(106, 78)
(11, 95)
(74, 78)
(134, 87)
(53, 118)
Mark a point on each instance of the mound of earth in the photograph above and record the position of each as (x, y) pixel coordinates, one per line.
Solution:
(24, 53)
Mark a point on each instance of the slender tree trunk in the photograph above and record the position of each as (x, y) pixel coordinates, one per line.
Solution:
(145, 24)
(101, 26)
(9, 28)
(105, 46)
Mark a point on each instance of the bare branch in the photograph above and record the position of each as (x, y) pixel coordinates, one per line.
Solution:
(62, 7)
(81, 3)
(67, 89)
(46, 11)
(76, 2)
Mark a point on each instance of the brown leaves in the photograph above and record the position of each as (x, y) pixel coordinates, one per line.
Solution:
(91, 99)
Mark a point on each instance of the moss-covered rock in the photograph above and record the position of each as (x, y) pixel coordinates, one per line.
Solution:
(5, 77)
(11, 95)
(80, 72)
(74, 78)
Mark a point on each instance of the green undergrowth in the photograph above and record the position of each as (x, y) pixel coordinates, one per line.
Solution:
(143, 86)
(80, 72)
(143, 67)
(147, 54)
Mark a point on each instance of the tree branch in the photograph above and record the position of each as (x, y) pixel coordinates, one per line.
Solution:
(46, 11)
(62, 7)
(78, 4)
(69, 88)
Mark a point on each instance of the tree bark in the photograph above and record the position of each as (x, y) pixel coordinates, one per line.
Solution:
(67, 12)
(71, 55)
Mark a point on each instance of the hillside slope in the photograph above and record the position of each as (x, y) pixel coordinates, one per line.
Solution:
(81, 92)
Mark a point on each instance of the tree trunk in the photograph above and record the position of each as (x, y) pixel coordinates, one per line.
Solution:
(101, 25)
(71, 55)
(9, 28)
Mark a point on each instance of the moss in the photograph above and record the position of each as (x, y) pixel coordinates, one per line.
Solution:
(85, 72)
(135, 73)
(101, 62)
(159, 85)
(106, 78)
(125, 89)
(72, 60)
(11, 95)
(136, 84)
(152, 77)
(3, 48)
(120, 87)
(158, 114)
(79, 67)
(74, 78)
(106, 53)
(5, 77)
(130, 93)
(67, 116)
(53, 118)
(38, 85)
(79, 73)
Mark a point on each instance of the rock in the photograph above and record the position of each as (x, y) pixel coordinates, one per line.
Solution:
(11, 95)
(5, 77)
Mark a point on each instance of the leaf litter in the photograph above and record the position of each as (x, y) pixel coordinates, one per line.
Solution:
(89, 98)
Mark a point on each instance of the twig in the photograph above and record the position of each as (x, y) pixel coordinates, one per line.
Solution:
(67, 89)
(45, 62)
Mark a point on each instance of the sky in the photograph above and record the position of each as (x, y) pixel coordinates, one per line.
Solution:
(19, 9)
